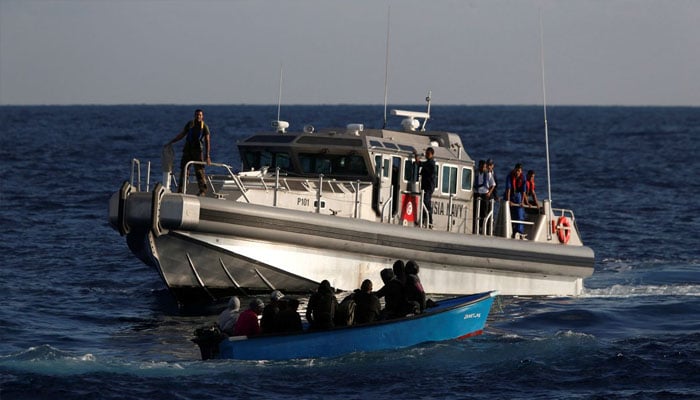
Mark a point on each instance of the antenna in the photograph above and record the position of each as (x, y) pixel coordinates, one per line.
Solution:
(280, 126)
(428, 99)
(386, 63)
(279, 96)
(546, 129)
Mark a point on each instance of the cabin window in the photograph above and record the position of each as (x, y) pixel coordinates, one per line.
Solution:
(254, 160)
(467, 179)
(378, 164)
(333, 164)
(282, 161)
(437, 175)
(386, 167)
(449, 179)
(407, 148)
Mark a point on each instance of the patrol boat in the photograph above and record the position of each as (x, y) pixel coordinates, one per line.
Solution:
(342, 204)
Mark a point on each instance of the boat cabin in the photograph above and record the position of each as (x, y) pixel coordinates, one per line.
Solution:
(384, 159)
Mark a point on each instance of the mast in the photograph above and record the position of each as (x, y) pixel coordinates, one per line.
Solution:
(546, 129)
(386, 64)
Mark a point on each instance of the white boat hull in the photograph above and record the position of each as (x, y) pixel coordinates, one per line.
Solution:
(232, 247)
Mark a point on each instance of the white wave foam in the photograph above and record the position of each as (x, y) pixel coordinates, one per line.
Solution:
(643, 290)
(48, 360)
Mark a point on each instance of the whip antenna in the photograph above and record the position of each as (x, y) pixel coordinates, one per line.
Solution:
(386, 64)
(279, 96)
(546, 129)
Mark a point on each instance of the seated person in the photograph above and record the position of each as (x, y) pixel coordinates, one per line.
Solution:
(367, 307)
(414, 288)
(395, 304)
(288, 319)
(228, 317)
(247, 324)
(267, 322)
(321, 308)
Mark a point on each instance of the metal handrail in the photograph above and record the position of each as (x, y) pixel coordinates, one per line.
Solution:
(136, 164)
(236, 179)
(390, 200)
(488, 219)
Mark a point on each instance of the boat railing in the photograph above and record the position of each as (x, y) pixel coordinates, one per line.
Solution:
(236, 179)
(281, 184)
(563, 212)
(488, 219)
(485, 226)
(388, 203)
(517, 221)
(136, 174)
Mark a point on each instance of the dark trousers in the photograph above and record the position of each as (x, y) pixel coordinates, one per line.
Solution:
(427, 202)
(187, 156)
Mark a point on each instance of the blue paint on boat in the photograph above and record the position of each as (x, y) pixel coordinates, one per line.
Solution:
(454, 318)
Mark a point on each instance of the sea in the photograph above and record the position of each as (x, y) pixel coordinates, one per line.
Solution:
(82, 318)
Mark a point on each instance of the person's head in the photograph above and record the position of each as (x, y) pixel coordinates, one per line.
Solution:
(412, 267)
(387, 274)
(399, 268)
(325, 287)
(482, 165)
(366, 286)
(429, 153)
(518, 169)
(234, 303)
(530, 174)
(490, 164)
(257, 305)
(198, 115)
(276, 295)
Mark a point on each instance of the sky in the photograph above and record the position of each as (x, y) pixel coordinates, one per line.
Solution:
(596, 52)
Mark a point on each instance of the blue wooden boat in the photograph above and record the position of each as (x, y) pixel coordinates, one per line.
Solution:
(454, 318)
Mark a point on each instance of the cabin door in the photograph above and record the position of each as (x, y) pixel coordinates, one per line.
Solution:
(383, 184)
(395, 185)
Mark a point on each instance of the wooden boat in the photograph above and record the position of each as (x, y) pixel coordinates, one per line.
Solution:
(454, 318)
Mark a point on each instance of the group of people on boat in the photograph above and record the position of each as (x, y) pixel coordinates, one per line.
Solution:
(280, 315)
(402, 291)
(519, 192)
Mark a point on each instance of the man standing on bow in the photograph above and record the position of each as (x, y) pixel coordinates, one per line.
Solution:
(197, 148)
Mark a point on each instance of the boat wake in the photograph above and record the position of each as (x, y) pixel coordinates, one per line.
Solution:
(643, 290)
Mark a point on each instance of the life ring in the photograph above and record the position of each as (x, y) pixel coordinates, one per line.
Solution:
(563, 229)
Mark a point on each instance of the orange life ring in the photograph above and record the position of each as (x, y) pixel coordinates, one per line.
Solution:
(563, 229)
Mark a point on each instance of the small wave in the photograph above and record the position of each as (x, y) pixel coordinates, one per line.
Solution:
(50, 361)
(574, 335)
(643, 290)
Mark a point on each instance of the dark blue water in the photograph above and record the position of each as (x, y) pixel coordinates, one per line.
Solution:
(81, 318)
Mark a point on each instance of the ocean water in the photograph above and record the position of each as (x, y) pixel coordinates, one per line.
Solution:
(81, 318)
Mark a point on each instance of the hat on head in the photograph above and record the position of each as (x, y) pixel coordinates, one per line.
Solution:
(256, 303)
(489, 161)
(276, 295)
(234, 303)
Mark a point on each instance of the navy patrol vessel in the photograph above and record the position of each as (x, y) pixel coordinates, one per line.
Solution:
(342, 204)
